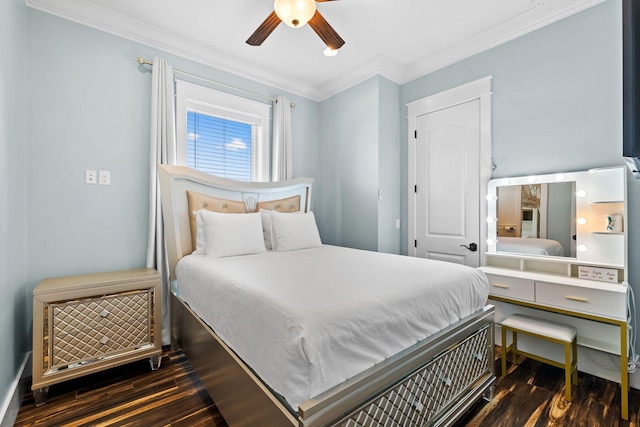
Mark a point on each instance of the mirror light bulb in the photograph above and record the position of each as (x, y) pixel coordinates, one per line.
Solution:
(489, 220)
(582, 248)
(490, 197)
(532, 179)
(581, 193)
(560, 177)
(490, 242)
(582, 221)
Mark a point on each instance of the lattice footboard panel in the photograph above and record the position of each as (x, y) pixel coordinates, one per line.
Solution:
(420, 398)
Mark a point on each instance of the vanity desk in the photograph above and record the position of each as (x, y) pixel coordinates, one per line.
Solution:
(585, 287)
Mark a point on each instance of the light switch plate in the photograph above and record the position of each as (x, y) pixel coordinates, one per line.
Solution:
(104, 178)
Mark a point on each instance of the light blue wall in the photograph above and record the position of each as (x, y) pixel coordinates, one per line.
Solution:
(557, 96)
(348, 184)
(14, 321)
(389, 124)
(89, 108)
(359, 154)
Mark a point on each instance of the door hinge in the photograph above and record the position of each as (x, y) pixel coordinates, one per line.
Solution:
(415, 188)
(415, 243)
(415, 134)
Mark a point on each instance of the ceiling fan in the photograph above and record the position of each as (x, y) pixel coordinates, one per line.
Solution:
(296, 13)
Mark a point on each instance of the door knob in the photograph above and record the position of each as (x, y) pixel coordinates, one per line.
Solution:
(472, 247)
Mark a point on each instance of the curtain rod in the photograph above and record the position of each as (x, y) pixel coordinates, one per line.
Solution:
(143, 61)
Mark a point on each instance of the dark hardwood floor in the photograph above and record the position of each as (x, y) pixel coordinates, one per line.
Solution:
(129, 395)
(132, 395)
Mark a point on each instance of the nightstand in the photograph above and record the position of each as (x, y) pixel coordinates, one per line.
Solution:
(88, 323)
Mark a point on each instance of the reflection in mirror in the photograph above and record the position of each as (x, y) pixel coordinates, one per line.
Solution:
(537, 219)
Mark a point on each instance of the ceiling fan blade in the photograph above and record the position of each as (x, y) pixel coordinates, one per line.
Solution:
(328, 35)
(263, 31)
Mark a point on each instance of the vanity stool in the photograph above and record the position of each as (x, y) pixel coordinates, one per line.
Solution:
(546, 330)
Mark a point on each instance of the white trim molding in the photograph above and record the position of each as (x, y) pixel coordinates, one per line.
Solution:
(539, 14)
(193, 97)
(11, 405)
(479, 89)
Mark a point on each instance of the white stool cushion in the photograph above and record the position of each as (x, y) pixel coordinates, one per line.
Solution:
(542, 327)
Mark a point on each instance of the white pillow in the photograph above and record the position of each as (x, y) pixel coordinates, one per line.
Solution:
(201, 245)
(292, 232)
(230, 234)
(267, 230)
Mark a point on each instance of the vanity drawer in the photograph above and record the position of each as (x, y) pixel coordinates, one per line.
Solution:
(586, 300)
(511, 287)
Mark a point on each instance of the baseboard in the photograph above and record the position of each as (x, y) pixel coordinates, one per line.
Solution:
(634, 380)
(13, 400)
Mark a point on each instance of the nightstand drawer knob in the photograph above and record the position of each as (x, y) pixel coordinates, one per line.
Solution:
(104, 313)
(104, 340)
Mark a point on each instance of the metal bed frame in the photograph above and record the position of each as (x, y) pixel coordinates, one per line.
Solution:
(431, 383)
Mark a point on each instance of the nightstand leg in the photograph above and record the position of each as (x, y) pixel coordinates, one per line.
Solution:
(489, 393)
(40, 396)
(155, 361)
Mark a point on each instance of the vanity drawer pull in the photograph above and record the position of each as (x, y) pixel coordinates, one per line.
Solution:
(500, 285)
(580, 299)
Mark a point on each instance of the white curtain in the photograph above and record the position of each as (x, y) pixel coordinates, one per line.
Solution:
(162, 150)
(281, 157)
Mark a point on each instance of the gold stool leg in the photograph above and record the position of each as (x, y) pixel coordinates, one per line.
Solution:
(504, 351)
(514, 344)
(567, 370)
(574, 344)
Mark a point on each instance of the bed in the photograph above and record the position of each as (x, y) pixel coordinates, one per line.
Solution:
(530, 245)
(429, 380)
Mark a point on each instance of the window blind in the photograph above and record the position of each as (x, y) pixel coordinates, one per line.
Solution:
(220, 146)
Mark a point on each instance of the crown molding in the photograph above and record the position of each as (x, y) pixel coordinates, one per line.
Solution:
(122, 26)
(380, 65)
(495, 36)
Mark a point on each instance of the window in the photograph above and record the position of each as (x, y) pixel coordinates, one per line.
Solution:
(222, 134)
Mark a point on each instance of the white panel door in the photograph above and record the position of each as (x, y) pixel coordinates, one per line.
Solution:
(448, 184)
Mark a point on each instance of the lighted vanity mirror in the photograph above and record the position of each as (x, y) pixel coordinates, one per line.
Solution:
(558, 215)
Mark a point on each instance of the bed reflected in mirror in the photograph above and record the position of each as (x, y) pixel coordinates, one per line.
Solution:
(536, 219)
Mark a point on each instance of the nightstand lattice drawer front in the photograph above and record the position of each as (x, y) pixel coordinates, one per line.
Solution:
(88, 329)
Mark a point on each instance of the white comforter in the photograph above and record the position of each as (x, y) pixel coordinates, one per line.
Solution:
(307, 320)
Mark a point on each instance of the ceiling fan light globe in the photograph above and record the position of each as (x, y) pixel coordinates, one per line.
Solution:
(295, 13)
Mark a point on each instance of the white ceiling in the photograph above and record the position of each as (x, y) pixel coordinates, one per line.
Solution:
(399, 39)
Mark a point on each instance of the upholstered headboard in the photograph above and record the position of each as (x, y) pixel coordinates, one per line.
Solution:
(218, 194)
